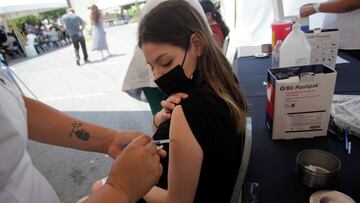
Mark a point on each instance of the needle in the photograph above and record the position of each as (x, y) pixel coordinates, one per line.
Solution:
(158, 142)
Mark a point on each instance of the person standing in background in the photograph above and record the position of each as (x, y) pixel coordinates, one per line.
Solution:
(75, 25)
(219, 28)
(98, 32)
(343, 15)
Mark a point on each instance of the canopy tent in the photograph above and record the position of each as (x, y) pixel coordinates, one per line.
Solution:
(247, 30)
(106, 4)
(18, 8)
(239, 16)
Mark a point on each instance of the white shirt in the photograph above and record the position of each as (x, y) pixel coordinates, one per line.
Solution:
(349, 26)
(139, 74)
(20, 181)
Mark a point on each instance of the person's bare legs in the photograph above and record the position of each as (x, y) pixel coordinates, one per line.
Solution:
(102, 54)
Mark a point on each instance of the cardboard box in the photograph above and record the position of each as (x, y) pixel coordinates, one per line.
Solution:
(299, 100)
(324, 46)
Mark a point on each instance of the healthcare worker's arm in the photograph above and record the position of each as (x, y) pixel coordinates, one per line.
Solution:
(129, 178)
(336, 6)
(50, 126)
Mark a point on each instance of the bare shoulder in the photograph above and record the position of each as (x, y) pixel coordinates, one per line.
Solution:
(178, 111)
(181, 131)
(178, 119)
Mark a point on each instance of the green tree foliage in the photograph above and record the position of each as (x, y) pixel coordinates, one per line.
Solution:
(52, 15)
(34, 19)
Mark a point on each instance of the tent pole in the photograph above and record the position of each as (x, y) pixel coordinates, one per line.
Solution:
(235, 13)
(16, 31)
(68, 3)
(22, 82)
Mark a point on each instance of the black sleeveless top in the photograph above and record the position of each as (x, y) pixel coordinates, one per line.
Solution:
(212, 125)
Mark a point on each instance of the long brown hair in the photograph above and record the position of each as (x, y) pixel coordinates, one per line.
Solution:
(95, 15)
(173, 22)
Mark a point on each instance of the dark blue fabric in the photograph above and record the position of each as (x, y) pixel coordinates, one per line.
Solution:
(252, 74)
(272, 163)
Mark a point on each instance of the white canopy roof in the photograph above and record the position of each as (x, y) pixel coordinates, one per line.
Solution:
(105, 4)
(19, 8)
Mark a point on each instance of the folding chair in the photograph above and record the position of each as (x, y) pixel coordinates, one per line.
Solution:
(226, 44)
(238, 188)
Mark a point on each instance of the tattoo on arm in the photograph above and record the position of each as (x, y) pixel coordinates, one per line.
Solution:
(78, 131)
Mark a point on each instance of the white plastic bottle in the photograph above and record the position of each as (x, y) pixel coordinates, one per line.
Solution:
(295, 50)
(275, 59)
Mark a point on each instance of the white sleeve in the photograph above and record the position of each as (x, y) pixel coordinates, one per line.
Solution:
(13, 133)
(138, 75)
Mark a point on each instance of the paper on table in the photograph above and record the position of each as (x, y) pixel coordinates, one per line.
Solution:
(246, 51)
(346, 112)
(340, 60)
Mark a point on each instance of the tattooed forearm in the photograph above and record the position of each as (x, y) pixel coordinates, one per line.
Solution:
(75, 125)
(79, 132)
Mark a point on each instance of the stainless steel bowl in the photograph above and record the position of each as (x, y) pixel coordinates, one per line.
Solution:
(317, 168)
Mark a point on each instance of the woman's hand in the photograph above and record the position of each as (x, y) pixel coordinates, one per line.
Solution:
(168, 106)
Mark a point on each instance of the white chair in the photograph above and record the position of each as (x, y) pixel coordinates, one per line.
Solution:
(238, 188)
(226, 44)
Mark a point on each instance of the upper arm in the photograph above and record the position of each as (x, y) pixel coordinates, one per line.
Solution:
(12, 134)
(185, 159)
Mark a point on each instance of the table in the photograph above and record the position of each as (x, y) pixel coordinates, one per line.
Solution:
(272, 163)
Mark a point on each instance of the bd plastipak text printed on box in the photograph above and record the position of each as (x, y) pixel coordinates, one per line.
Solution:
(299, 107)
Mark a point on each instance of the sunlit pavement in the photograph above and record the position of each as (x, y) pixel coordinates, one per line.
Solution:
(91, 92)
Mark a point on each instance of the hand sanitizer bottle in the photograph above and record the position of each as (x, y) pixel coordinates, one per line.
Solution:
(275, 56)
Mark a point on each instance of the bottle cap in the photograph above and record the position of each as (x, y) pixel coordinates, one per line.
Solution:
(296, 26)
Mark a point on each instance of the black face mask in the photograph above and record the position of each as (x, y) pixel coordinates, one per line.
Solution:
(175, 81)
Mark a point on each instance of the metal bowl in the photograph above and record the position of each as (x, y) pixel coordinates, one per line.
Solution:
(317, 168)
